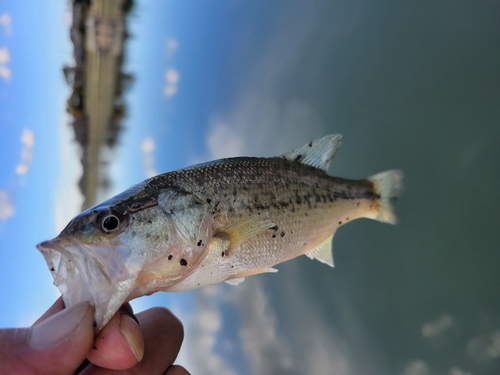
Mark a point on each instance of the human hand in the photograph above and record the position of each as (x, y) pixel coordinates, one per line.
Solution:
(61, 340)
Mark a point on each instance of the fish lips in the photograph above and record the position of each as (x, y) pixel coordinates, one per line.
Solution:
(88, 273)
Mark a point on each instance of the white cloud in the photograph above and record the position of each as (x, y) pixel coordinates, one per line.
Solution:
(270, 344)
(172, 44)
(202, 336)
(6, 22)
(223, 142)
(170, 90)
(210, 320)
(267, 351)
(5, 72)
(437, 328)
(457, 371)
(269, 131)
(172, 47)
(4, 56)
(417, 367)
(484, 348)
(7, 207)
(266, 114)
(172, 78)
(28, 141)
(68, 197)
(329, 351)
(148, 147)
(232, 136)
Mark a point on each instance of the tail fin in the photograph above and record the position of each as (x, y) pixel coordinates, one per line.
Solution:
(388, 185)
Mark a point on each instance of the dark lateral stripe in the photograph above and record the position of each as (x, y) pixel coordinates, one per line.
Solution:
(356, 195)
(138, 206)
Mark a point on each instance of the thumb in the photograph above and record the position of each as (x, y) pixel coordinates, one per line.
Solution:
(57, 345)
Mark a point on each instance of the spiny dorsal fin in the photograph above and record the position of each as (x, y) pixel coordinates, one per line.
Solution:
(318, 153)
(323, 252)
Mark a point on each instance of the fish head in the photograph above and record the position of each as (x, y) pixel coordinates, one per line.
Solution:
(108, 256)
(90, 261)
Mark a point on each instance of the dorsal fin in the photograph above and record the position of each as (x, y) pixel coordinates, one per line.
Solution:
(323, 252)
(318, 153)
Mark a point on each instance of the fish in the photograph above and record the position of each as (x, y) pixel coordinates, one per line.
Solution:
(223, 220)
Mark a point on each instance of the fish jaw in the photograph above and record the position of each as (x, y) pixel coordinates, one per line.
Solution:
(97, 274)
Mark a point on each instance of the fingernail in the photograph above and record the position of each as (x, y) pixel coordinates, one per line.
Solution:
(59, 327)
(131, 331)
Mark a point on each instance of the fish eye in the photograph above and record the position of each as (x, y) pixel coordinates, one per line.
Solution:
(109, 222)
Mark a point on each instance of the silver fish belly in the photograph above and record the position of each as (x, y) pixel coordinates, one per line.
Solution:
(219, 221)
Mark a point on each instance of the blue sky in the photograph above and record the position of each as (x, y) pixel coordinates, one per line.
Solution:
(411, 87)
(32, 98)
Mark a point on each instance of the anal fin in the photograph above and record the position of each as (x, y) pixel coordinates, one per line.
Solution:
(323, 252)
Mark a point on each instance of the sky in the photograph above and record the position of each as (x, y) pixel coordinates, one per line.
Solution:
(32, 116)
(410, 86)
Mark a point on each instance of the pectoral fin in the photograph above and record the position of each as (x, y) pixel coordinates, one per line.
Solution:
(323, 252)
(242, 230)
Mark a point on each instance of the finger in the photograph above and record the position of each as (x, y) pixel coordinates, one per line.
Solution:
(57, 345)
(120, 344)
(176, 370)
(163, 335)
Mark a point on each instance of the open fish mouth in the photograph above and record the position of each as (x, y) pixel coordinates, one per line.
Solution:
(88, 273)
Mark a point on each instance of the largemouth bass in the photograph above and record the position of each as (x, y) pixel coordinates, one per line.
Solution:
(219, 221)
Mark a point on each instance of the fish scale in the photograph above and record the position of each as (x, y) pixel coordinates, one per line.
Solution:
(219, 221)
